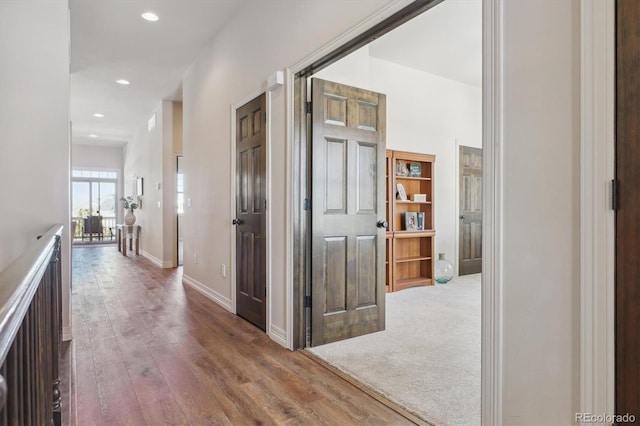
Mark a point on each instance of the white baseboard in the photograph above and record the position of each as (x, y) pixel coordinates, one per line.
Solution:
(159, 263)
(218, 298)
(67, 334)
(278, 335)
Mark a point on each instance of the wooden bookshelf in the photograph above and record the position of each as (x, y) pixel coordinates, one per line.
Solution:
(410, 241)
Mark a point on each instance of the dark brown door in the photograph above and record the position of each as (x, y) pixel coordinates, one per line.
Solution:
(250, 212)
(470, 211)
(628, 213)
(348, 200)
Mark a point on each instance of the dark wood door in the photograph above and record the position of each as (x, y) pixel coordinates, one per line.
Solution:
(250, 212)
(628, 214)
(348, 200)
(470, 211)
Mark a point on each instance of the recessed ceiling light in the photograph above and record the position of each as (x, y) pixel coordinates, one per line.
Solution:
(150, 16)
(123, 82)
(97, 114)
(93, 136)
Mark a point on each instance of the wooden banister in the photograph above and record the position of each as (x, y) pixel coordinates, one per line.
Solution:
(30, 334)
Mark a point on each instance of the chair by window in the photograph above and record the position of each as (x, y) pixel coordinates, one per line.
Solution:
(93, 226)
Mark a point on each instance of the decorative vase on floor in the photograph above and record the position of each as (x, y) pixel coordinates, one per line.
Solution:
(444, 270)
(129, 218)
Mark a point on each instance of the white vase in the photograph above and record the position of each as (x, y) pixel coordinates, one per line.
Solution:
(129, 218)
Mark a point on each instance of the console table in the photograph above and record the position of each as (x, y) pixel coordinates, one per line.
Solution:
(128, 232)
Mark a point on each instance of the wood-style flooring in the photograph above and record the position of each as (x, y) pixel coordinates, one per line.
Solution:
(150, 351)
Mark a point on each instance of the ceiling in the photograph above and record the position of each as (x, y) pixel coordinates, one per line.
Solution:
(445, 41)
(110, 41)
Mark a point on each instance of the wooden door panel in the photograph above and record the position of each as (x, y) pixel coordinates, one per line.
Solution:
(627, 347)
(250, 206)
(244, 181)
(335, 176)
(348, 270)
(470, 211)
(335, 284)
(365, 175)
(367, 255)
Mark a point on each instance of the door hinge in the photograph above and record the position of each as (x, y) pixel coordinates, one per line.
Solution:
(307, 107)
(265, 205)
(264, 116)
(265, 292)
(307, 204)
(307, 301)
(614, 194)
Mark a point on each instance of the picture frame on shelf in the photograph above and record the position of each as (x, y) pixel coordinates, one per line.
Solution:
(401, 194)
(401, 168)
(415, 170)
(411, 221)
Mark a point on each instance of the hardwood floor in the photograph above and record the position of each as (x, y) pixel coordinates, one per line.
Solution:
(150, 351)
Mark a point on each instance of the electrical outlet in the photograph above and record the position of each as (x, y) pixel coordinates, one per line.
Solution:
(195, 258)
(223, 271)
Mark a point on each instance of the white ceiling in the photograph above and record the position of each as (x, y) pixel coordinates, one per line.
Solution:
(445, 41)
(110, 41)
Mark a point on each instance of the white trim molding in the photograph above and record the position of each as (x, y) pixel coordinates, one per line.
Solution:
(597, 226)
(67, 334)
(492, 233)
(278, 335)
(159, 263)
(213, 295)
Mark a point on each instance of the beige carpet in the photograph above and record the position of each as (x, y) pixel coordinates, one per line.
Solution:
(428, 358)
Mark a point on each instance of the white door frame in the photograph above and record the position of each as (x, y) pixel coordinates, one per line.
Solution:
(597, 221)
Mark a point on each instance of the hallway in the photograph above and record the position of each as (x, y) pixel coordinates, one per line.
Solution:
(149, 351)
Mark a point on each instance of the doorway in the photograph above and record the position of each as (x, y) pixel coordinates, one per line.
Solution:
(470, 257)
(93, 207)
(250, 213)
(408, 131)
(180, 209)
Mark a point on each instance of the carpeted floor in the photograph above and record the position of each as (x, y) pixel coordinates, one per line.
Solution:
(428, 358)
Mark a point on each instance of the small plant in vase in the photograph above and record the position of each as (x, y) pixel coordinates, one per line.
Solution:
(129, 205)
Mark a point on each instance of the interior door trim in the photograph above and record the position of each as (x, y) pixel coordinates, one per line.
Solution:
(597, 221)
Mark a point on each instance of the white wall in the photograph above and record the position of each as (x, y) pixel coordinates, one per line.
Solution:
(152, 156)
(97, 157)
(143, 158)
(541, 215)
(427, 114)
(235, 66)
(34, 128)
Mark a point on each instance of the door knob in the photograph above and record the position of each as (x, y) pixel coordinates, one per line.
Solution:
(382, 224)
(236, 221)
(461, 217)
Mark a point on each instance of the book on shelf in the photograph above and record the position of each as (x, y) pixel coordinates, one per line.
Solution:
(415, 170)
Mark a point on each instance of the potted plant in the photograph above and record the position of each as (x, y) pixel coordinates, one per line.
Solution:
(129, 205)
